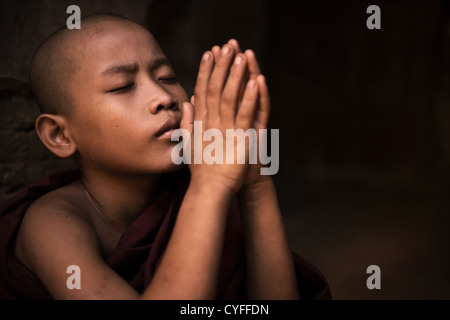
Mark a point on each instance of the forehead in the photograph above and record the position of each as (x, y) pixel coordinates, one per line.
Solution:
(116, 42)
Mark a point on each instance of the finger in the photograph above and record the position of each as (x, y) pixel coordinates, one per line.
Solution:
(246, 113)
(216, 52)
(253, 65)
(201, 86)
(217, 81)
(263, 112)
(187, 119)
(231, 93)
(235, 44)
(187, 126)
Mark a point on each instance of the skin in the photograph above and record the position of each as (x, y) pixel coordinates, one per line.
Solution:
(111, 135)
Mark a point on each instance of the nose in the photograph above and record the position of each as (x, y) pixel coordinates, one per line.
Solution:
(162, 100)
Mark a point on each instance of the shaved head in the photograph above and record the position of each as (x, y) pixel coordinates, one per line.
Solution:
(58, 59)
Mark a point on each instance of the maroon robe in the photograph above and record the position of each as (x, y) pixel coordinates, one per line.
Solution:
(141, 245)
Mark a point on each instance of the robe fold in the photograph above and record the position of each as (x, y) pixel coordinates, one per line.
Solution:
(141, 245)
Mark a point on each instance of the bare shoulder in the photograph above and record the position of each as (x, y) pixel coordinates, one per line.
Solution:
(53, 229)
(55, 216)
(56, 234)
(60, 207)
(63, 205)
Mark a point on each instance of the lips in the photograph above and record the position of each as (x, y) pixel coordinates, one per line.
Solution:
(168, 126)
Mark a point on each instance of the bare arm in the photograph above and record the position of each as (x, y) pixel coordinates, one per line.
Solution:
(190, 266)
(271, 273)
(54, 237)
(269, 262)
(197, 241)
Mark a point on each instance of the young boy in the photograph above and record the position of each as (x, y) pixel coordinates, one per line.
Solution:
(132, 223)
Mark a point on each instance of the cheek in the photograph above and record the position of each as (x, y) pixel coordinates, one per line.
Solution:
(180, 94)
(96, 133)
(122, 147)
(121, 134)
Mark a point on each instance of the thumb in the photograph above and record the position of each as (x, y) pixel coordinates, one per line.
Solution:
(187, 120)
(187, 128)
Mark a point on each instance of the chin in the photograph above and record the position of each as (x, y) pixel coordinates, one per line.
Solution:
(169, 168)
(175, 167)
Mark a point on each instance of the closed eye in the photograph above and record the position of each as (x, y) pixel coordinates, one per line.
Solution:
(123, 88)
(168, 80)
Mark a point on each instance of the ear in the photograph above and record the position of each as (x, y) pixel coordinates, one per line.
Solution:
(55, 135)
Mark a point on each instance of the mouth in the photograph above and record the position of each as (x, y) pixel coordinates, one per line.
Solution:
(167, 128)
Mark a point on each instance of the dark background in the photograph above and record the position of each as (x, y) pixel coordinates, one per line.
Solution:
(363, 116)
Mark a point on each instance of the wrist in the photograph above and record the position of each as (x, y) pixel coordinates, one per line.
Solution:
(256, 190)
(208, 185)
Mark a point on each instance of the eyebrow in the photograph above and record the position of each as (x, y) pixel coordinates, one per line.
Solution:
(121, 68)
(160, 62)
(134, 67)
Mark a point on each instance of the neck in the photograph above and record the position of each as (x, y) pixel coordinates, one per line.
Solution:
(121, 198)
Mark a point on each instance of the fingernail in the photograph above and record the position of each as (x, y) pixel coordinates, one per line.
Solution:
(238, 60)
(252, 84)
(225, 50)
(206, 56)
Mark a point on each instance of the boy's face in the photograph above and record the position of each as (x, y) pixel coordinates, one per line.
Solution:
(123, 93)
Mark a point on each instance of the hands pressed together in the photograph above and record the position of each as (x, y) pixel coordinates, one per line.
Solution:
(230, 93)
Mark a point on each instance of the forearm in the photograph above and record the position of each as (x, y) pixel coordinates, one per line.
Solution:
(190, 266)
(270, 268)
